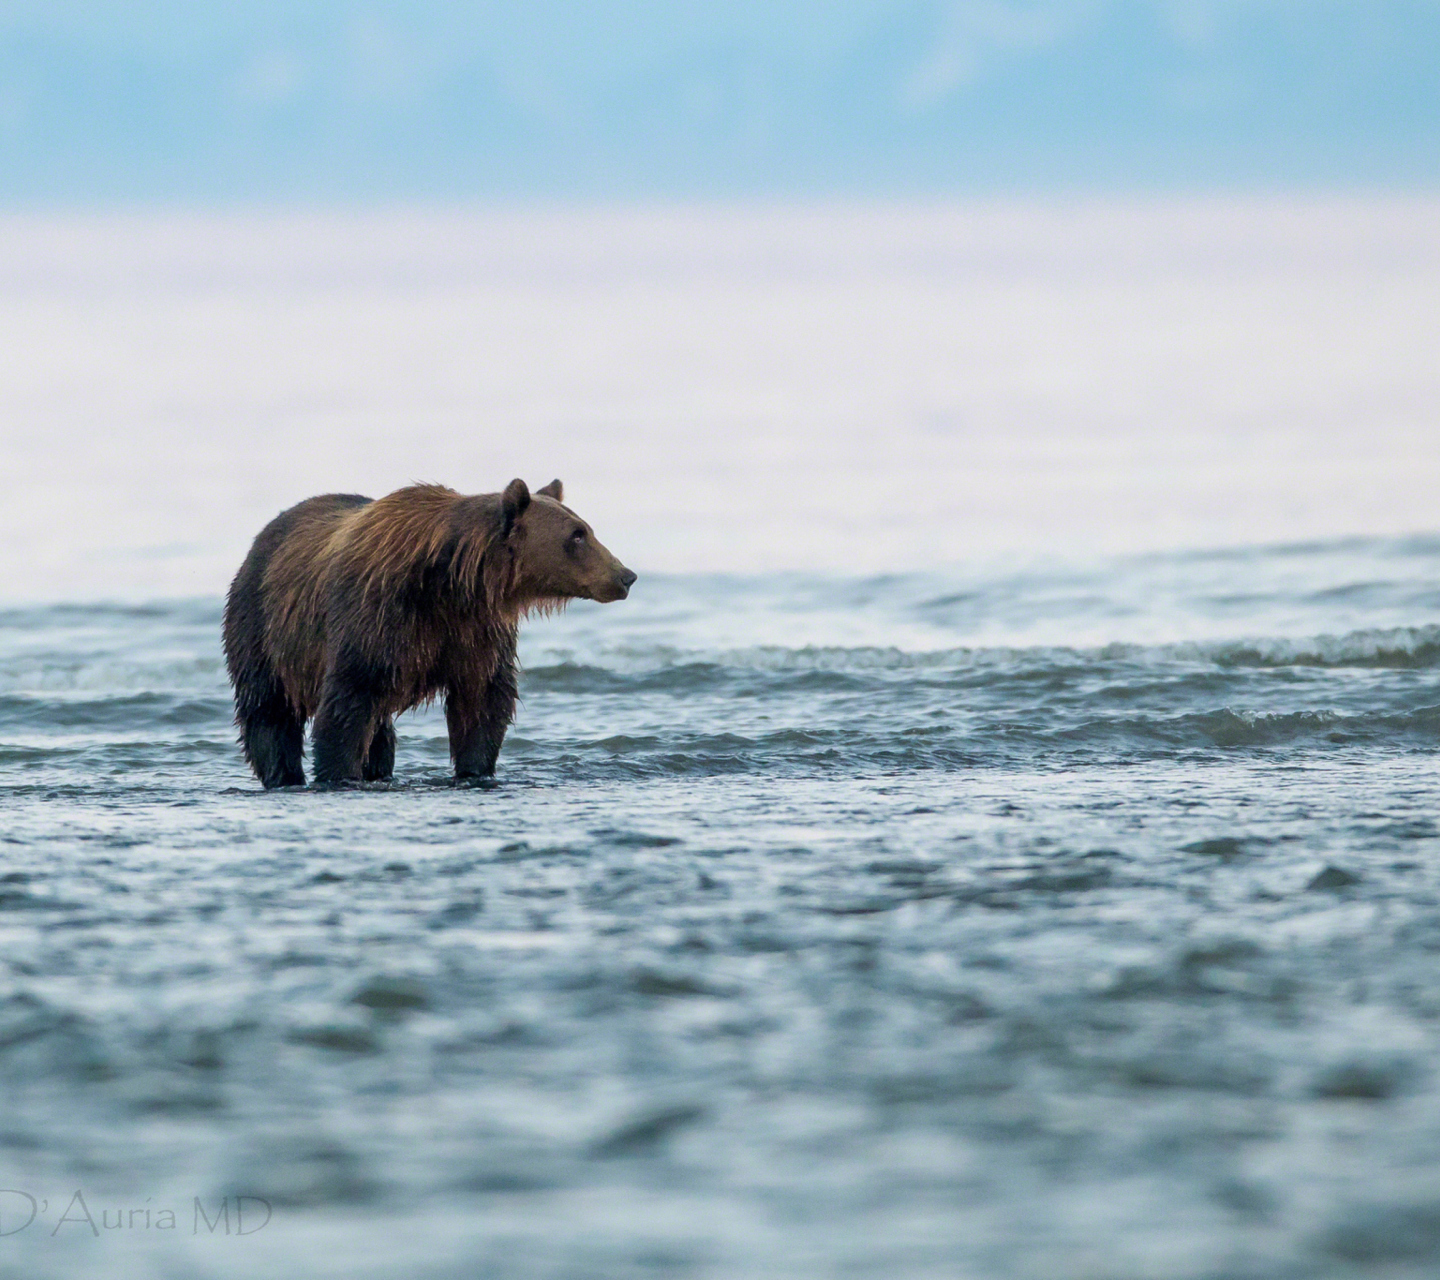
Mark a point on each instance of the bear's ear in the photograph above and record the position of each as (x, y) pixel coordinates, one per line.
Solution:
(512, 505)
(554, 490)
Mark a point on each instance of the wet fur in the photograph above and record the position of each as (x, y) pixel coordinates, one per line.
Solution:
(348, 611)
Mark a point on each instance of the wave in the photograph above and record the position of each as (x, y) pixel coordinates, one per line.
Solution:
(118, 711)
(1227, 727)
(87, 679)
(874, 748)
(200, 612)
(835, 669)
(1394, 649)
(861, 746)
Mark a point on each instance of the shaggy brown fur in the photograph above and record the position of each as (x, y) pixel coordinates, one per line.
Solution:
(348, 611)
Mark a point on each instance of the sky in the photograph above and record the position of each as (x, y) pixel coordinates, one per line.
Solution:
(338, 101)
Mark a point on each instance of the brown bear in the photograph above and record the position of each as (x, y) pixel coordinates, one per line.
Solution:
(350, 611)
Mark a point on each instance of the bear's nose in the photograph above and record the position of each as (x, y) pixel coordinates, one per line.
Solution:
(627, 579)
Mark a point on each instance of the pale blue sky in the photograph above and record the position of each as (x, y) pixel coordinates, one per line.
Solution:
(339, 100)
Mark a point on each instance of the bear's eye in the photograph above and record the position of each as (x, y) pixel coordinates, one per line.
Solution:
(576, 540)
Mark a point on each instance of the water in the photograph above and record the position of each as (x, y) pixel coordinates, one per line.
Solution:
(1074, 920)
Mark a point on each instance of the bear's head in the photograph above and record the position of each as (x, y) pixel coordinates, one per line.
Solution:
(556, 554)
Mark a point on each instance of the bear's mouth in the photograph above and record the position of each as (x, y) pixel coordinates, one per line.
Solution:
(618, 588)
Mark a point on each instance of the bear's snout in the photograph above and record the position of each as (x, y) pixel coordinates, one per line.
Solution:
(624, 580)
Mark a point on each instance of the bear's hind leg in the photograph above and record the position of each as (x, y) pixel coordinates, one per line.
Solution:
(380, 759)
(273, 738)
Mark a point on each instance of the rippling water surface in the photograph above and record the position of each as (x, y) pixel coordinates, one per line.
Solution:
(1072, 921)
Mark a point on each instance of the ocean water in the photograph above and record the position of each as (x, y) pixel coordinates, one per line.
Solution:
(1077, 919)
(997, 838)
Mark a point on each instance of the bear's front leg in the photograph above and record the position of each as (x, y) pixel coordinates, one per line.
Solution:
(346, 720)
(477, 723)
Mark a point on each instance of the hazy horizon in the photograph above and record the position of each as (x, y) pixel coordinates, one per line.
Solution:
(847, 389)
